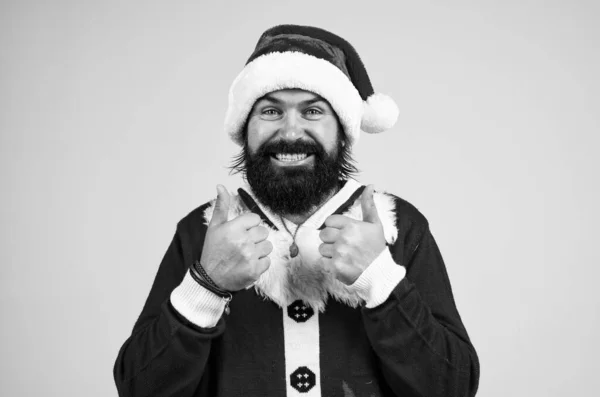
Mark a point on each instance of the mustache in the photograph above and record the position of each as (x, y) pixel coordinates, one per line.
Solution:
(295, 147)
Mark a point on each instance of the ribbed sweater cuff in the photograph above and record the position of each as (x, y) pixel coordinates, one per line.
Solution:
(378, 280)
(196, 303)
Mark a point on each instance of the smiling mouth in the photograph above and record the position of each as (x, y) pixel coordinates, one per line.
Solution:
(291, 158)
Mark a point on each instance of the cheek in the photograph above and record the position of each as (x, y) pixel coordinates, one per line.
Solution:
(258, 134)
(329, 133)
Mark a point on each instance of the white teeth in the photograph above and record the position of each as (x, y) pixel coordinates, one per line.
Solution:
(290, 157)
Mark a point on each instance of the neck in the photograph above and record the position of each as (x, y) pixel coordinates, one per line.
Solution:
(299, 219)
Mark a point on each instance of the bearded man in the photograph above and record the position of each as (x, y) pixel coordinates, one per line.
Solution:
(304, 282)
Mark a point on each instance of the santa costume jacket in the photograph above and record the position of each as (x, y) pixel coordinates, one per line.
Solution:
(297, 331)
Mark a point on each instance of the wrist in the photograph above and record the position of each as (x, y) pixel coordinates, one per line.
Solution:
(201, 270)
(376, 283)
(201, 277)
(197, 304)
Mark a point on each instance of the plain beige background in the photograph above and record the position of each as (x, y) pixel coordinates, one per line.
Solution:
(111, 119)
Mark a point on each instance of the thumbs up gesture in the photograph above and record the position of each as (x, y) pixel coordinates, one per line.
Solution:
(235, 252)
(350, 246)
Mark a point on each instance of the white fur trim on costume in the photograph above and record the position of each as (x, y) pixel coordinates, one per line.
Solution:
(280, 70)
(305, 276)
(380, 113)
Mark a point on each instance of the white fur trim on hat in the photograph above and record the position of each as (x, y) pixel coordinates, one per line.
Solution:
(283, 70)
(380, 114)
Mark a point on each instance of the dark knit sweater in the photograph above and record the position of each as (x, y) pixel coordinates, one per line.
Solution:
(413, 344)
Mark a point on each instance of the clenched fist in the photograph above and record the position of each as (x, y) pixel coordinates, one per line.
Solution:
(235, 252)
(349, 245)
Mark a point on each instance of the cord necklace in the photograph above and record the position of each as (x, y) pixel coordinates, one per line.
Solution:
(293, 247)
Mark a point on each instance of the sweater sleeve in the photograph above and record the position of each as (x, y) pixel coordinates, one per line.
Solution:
(417, 333)
(166, 354)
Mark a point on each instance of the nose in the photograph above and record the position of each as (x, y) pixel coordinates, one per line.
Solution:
(292, 127)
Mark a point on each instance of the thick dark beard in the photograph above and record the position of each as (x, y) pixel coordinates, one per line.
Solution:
(295, 190)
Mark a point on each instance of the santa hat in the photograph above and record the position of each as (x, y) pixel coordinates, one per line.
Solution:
(315, 60)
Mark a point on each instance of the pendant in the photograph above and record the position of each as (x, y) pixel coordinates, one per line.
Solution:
(293, 250)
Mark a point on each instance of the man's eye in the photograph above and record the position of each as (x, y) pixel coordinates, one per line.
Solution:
(313, 111)
(270, 112)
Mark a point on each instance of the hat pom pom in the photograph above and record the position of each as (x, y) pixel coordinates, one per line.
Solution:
(380, 113)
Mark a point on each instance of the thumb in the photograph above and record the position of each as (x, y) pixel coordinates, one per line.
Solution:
(368, 205)
(221, 207)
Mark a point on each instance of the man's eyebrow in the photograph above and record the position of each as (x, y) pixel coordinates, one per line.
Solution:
(271, 98)
(307, 102)
(314, 100)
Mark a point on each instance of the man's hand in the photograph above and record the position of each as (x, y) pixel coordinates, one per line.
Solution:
(235, 252)
(350, 246)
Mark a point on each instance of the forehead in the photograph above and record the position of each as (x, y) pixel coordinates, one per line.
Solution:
(292, 95)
